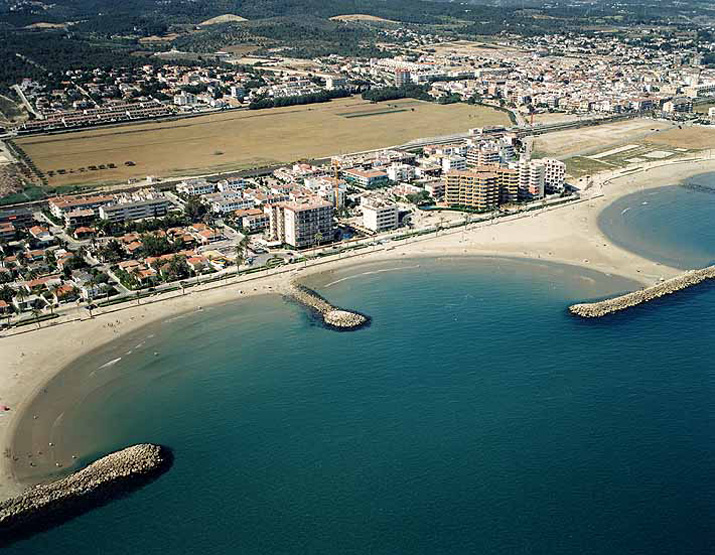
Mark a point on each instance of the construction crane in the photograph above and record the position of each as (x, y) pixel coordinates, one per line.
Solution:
(336, 183)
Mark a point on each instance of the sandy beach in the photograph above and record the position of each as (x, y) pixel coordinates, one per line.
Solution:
(568, 234)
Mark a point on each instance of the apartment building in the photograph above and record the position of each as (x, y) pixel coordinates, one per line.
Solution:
(475, 189)
(379, 214)
(554, 174)
(454, 162)
(679, 105)
(301, 224)
(60, 205)
(531, 179)
(196, 187)
(18, 217)
(137, 206)
(368, 179)
(483, 156)
(401, 172)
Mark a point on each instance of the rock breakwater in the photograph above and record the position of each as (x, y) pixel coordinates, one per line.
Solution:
(47, 505)
(333, 317)
(623, 302)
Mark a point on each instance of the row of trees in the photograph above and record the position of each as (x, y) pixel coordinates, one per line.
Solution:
(323, 96)
(418, 92)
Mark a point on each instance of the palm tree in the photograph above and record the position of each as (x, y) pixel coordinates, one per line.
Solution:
(3, 256)
(318, 239)
(36, 314)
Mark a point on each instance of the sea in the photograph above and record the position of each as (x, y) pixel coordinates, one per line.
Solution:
(474, 414)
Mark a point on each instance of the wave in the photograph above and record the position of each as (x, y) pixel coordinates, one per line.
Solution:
(371, 273)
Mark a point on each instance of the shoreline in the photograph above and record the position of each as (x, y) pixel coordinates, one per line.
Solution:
(566, 235)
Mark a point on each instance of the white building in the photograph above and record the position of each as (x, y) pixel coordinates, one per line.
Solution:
(301, 224)
(137, 206)
(196, 187)
(335, 82)
(554, 174)
(378, 214)
(401, 172)
(531, 179)
(223, 203)
(454, 163)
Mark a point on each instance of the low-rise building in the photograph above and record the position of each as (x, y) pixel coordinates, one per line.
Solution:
(367, 179)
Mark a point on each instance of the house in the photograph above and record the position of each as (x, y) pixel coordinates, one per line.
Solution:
(41, 234)
(84, 232)
(23, 304)
(65, 293)
(5, 308)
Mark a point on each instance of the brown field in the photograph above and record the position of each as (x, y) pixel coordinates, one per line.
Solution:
(688, 137)
(588, 140)
(703, 108)
(239, 140)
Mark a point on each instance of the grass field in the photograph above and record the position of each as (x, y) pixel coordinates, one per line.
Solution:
(240, 140)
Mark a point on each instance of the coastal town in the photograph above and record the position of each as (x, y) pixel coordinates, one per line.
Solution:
(97, 249)
(246, 249)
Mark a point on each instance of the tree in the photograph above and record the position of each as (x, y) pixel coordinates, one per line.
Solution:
(195, 209)
(318, 239)
(36, 314)
(241, 251)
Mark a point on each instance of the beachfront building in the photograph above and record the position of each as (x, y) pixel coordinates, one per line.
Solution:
(301, 224)
(532, 175)
(554, 174)
(379, 214)
(474, 189)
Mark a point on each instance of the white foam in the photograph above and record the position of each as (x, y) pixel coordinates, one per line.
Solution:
(373, 272)
(110, 363)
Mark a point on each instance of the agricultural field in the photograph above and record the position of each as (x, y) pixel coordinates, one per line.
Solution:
(237, 140)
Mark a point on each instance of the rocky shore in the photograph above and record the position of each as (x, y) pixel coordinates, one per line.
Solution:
(47, 505)
(609, 306)
(333, 317)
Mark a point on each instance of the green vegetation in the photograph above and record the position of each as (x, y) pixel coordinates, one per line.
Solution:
(418, 92)
(324, 96)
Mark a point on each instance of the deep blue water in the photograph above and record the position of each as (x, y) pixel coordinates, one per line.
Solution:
(672, 225)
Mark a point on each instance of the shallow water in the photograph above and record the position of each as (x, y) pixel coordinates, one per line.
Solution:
(672, 225)
(473, 416)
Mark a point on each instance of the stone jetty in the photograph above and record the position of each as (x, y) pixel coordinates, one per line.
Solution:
(47, 505)
(667, 287)
(334, 317)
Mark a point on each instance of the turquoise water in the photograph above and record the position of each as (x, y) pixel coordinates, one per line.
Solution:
(672, 225)
(473, 416)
